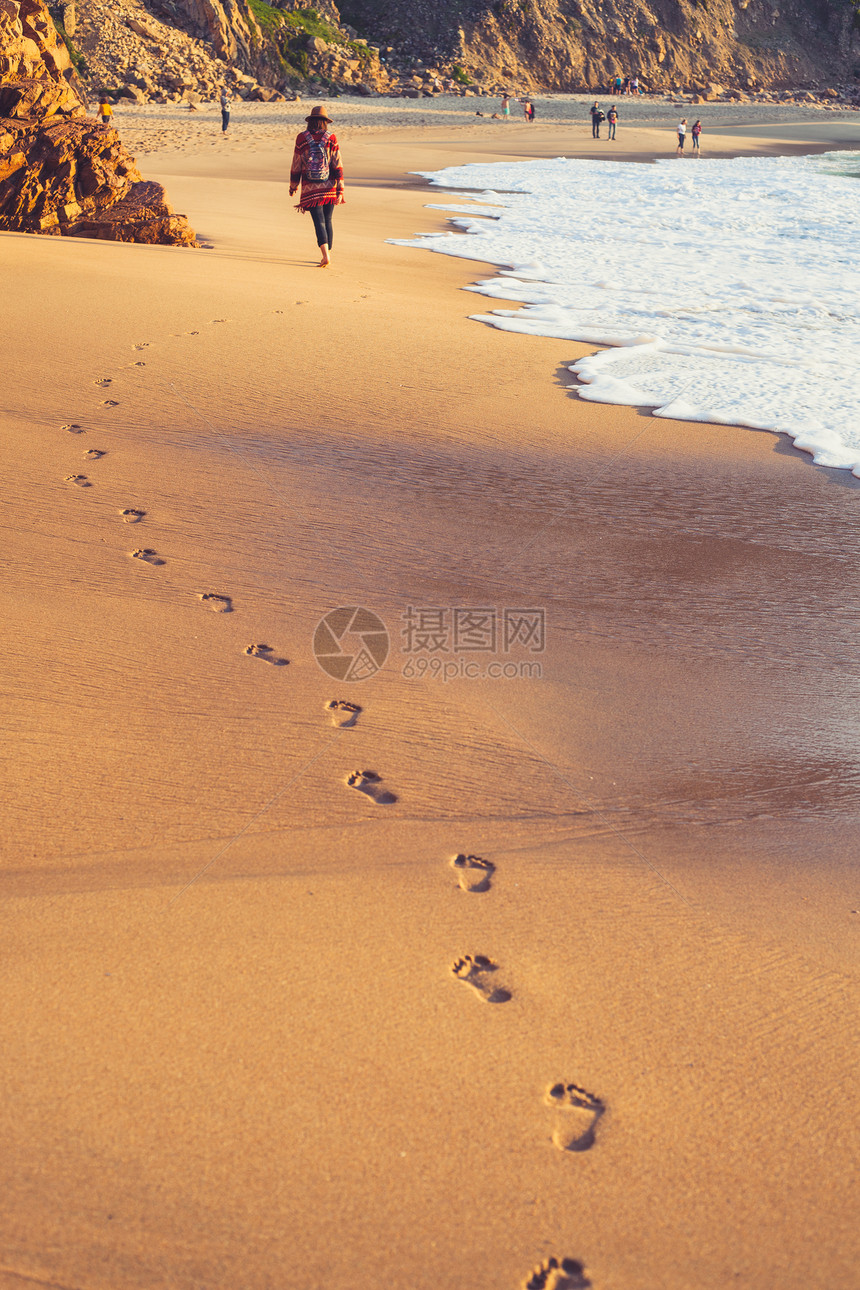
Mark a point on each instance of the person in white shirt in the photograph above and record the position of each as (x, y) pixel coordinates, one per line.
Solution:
(682, 134)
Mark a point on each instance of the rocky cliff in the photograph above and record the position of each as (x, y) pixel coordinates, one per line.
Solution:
(60, 170)
(186, 50)
(581, 44)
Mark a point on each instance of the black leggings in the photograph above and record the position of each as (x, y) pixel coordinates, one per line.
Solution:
(321, 216)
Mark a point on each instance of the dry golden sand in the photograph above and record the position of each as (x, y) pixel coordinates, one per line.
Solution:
(235, 1050)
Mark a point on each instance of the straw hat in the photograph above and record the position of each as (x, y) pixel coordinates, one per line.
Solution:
(318, 114)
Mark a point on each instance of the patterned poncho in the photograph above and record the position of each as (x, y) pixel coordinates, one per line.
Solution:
(316, 152)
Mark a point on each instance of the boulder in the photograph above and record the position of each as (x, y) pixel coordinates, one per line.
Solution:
(60, 171)
(132, 92)
(143, 215)
(141, 27)
(226, 25)
(39, 98)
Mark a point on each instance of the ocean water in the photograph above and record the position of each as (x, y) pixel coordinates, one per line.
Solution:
(727, 290)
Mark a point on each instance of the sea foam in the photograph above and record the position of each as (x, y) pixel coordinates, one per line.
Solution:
(729, 290)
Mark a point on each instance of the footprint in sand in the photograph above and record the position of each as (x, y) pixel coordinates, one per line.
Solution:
(343, 714)
(265, 653)
(558, 1274)
(473, 873)
(144, 344)
(369, 783)
(579, 1114)
(217, 320)
(110, 403)
(219, 604)
(140, 363)
(93, 454)
(472, 970)
(73, 428)
(80, 480)
(146, 554)
(132, 516)
(104, 382)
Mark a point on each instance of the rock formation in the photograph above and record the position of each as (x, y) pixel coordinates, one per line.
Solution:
(60, 170)
(581, 44)
(186, 50)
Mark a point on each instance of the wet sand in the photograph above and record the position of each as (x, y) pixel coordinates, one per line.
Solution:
(256, 1031)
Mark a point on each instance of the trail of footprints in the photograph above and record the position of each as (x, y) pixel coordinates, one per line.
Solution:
(215, 601)
(575, 1111)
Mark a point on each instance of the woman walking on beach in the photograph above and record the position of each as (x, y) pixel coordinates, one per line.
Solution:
(682, 134)
(695, 132)
(316, 166)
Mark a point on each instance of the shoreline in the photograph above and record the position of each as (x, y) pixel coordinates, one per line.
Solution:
(236, 1049)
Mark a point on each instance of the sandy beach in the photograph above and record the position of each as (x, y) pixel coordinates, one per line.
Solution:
(258, 1030)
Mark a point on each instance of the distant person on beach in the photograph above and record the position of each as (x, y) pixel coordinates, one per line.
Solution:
(612, 119)
(528, 109)
(682, 134)
(618, 83)
(225, 111)
(626, 84)
(597, 119)
(695, 132)
(105, 111)
(506, 107)
(316, 166)
(634, 85)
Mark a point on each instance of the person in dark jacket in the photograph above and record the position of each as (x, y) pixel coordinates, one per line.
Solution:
(597, 118)
(612, 121)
